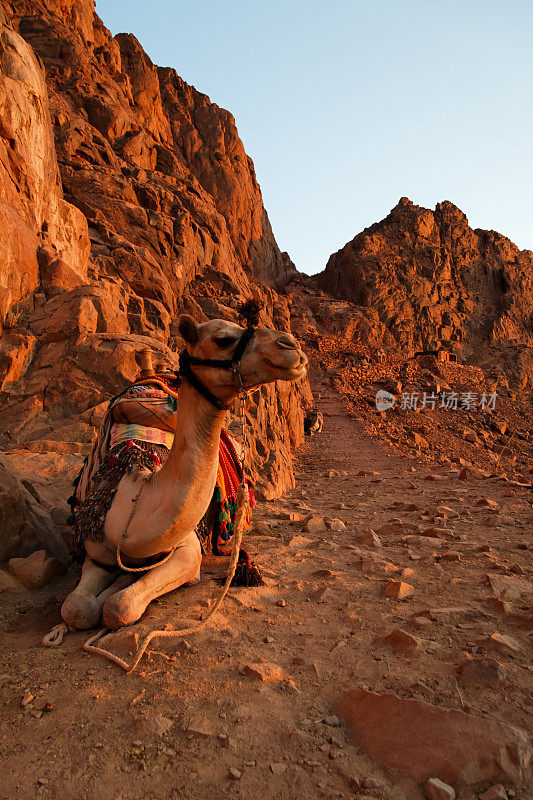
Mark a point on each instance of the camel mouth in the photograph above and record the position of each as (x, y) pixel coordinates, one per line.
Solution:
(293, 372)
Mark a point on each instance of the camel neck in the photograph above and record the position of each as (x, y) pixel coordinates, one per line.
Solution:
(197, 435)
(178, 495)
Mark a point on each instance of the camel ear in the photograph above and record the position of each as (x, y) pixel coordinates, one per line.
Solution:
(188, 329)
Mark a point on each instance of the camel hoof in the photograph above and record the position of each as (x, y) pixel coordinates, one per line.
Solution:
(121, 609)
(81, 612)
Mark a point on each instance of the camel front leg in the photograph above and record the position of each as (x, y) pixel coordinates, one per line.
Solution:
(128, 605)
(83, 607)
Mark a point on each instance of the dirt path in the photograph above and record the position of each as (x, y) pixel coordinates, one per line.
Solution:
(189, 716)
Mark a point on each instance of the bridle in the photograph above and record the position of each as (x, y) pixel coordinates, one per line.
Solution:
(232, 364)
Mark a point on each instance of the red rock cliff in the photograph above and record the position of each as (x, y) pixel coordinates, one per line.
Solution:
(128, 198)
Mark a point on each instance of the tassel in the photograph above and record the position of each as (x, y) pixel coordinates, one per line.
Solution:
(249, 312)
(247, 574)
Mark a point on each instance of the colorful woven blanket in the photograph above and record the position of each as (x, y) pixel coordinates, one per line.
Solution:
(137, 432)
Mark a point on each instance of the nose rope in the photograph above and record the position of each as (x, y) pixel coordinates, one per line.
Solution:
(242, 398)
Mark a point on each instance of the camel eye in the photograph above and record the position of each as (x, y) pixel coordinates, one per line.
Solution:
(224, 341)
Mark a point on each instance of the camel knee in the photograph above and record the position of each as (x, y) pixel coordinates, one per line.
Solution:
(81, 611)
(123, 608)
(128, 605)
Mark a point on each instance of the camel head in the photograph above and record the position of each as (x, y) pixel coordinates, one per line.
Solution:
(270, 355)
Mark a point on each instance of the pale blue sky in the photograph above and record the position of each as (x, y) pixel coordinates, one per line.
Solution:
(345, 106)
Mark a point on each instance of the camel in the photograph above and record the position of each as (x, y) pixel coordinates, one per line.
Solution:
(221, 359)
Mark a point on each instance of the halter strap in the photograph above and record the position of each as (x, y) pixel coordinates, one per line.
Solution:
(186, 372)
(232, 364)
(224, 363)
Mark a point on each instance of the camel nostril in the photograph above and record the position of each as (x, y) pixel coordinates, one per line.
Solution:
(287, 342)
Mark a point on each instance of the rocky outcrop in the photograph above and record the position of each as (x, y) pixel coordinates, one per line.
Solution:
(130, 199)
(434, 281)
(24, 523)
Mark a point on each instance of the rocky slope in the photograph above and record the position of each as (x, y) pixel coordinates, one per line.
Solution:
(433, 281)
(443, 412)
(127, 198)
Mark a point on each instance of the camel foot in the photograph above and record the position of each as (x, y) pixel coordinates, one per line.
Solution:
(56, 635)
(80, 611)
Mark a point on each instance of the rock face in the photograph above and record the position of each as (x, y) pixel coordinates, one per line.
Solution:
(33, 212)
(128, 198)
(24, 523)
(434, 281)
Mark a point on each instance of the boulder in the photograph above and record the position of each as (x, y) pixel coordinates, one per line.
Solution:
(437, 790)
(424, 740)
(478, 671)
(370, 538)
(9, 584)
(36, 570)
(315, 525)
(266, 673)
(398, 590)
(403, 642)
(152, 724)
(509, 587)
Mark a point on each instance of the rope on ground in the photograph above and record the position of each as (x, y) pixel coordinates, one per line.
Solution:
(243, 503)
(56, 635)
